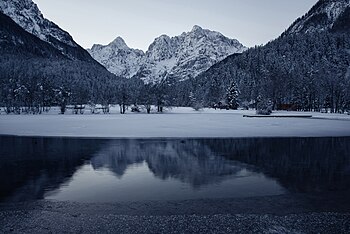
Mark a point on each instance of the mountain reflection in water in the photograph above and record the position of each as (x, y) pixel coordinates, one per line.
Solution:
(115, 170)
(188, 161)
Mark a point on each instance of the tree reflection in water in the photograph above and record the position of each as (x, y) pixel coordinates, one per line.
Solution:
(30, 167)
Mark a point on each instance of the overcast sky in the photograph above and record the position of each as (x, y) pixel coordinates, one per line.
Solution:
(252, 22)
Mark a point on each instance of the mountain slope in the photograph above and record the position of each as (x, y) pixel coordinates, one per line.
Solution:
(322, 17)
(307, 68)
(176, 58)
(33, 73)
(15, 41)
(26, 14)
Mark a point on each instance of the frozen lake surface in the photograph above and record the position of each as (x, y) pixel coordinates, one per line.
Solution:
(177, 122)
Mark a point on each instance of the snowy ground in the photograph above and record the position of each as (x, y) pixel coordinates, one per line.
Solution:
(177, 122)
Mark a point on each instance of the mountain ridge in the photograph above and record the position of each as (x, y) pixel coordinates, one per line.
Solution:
(178, 58)
(16, 41)
(321, 17)
(27, 15)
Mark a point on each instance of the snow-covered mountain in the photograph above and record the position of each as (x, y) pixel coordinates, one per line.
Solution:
(118, 57)
(322, 17)
(176, 58)
(27, 14)
(18, 43)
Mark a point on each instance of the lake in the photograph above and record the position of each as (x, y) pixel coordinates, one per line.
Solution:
(118, 170)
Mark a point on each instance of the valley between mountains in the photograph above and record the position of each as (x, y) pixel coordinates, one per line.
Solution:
(305, 69)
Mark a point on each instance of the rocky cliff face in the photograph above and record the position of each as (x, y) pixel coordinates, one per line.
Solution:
(325, 15)
(177, 58)
(118, 57)
(27, 15)
(18, 43)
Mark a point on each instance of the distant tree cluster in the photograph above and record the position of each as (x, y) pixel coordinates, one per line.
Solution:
(34, 85)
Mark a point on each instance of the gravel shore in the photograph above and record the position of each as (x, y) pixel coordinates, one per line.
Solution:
(54, 222)
(274, 214)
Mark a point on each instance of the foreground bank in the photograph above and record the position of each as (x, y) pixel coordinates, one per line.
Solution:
(275, 214)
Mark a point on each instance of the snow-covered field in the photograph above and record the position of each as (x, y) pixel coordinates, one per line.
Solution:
(177, 122)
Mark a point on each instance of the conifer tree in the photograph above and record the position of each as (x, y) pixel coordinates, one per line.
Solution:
(194, 102)
(232, 96)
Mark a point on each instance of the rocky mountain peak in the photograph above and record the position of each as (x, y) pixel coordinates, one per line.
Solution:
(162, 48)
(179, 57)
(196, 28)
(119, 43)
(117, 57)
(160, 42)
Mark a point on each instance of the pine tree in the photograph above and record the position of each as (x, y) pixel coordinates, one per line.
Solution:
(194, 103)
(232, 96)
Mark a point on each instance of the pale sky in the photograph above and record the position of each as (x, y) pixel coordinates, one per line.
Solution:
(139, 22)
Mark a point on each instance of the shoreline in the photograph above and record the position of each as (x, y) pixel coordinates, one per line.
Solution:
(284, 204)
(167, 138)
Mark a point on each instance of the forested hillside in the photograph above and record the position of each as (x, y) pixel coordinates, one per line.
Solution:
(35, 74)
(304, 70)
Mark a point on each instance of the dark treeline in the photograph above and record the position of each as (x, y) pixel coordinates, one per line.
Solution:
(33, 85)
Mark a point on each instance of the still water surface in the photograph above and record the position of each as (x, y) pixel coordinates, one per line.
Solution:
(100, 170)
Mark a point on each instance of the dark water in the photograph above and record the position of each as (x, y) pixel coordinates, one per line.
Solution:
(89, 170)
